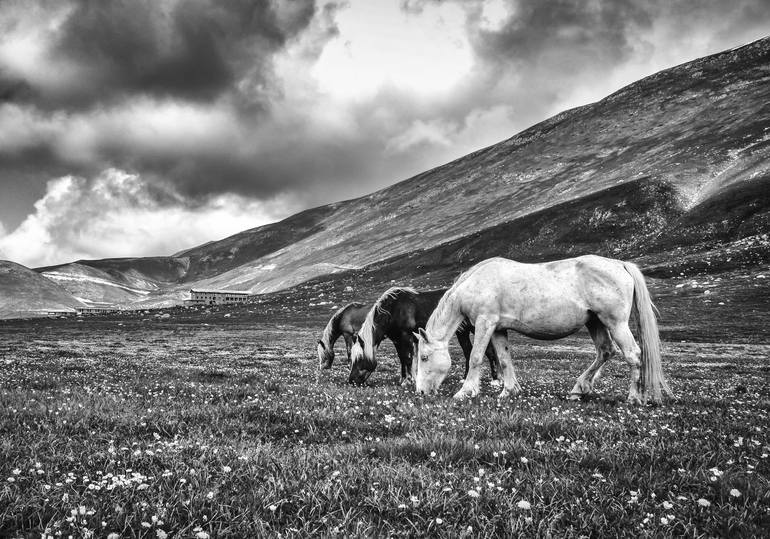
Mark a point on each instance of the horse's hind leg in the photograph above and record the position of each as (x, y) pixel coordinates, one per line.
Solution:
(463, 335)
(604, 350)
(494, 363)
(502, 352)
(623, 337)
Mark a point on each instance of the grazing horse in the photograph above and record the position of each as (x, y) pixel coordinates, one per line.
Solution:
(346, 322)
(546, 301)
(396, 315)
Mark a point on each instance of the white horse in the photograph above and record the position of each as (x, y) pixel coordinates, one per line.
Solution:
(546, 301)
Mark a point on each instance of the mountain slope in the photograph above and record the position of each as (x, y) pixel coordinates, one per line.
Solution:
(677, 158)
(23, 291)
(699, 128)
(132, 280)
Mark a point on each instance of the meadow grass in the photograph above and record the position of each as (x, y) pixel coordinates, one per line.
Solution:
(150, 430)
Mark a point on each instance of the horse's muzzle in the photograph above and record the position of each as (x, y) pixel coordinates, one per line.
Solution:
(359, 377)
(425, 388)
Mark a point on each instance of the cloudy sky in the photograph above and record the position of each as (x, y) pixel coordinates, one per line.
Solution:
(144, 127)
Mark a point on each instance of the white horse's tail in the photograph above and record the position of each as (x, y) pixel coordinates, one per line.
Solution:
(652, 381)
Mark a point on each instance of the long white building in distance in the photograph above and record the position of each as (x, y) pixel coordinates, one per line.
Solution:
(217, 297)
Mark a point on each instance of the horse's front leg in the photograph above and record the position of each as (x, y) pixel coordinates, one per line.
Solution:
(348, 344)
(405, 350)
(484, 330)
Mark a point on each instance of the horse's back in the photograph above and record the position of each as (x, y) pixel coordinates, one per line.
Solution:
(573, 285)
(577, 269)
(352, 317)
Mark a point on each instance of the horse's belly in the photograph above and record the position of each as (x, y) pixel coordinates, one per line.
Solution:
(545, 319)
(541, 332)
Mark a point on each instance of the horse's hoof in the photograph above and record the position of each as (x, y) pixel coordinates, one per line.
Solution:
(574, 396)
(461, 395)
(406, 382)
(634, 401)
(496, 383)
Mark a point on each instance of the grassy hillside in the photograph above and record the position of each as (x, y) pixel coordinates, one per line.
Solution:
(24, 292)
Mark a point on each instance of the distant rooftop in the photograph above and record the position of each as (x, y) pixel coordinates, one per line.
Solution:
(210, 291)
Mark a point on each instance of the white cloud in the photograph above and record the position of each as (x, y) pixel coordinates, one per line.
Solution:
(120, 215)
(379, 44)
(418, 134)
(494, 14)
(147, 126)
(2, 234)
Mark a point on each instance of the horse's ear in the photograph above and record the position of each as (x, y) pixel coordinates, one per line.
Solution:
(322, 344)
(424, 335)
(416, 336)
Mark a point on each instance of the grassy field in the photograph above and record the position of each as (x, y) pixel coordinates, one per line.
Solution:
(149, 429)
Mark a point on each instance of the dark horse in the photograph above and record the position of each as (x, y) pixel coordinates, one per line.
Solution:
(346, 322)
(397, 314)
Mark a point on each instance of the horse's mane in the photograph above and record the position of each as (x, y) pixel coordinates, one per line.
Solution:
(460, 279)
(391, 294)
(367, 328)
(444, 305)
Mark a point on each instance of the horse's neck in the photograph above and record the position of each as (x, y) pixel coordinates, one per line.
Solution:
(445, 319)
(388, 325)
(379, 332)
(425, 305)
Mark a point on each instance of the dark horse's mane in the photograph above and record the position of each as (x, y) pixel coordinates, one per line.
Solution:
(383, 306)
(382, 309)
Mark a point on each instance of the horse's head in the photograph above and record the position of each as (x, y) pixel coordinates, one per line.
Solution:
(362, 362)
(325, 355)
(432, 363)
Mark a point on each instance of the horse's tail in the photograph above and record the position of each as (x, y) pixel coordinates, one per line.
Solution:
(652, 381)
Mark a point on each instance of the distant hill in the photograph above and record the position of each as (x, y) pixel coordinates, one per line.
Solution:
(675, 164)
(24, 292)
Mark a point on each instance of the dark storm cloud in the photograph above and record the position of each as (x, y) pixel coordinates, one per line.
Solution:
(573, 35)
(13, 88)
(191, 50)
(67, 104)
(536, 29)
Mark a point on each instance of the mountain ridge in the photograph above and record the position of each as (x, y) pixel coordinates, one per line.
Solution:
(24, 292)
(700, 127)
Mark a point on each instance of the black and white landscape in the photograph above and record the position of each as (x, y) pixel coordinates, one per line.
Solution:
(152, 149)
